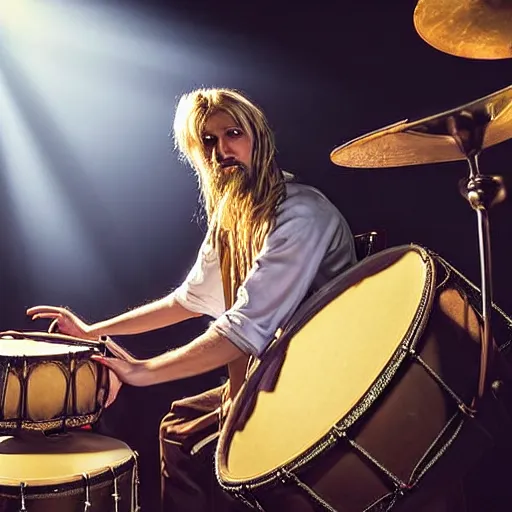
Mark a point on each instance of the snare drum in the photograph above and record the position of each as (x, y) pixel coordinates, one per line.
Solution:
(364, 403)
(49, 386)
(72, 471)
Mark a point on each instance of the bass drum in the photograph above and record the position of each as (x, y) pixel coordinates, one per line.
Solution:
(364, 403)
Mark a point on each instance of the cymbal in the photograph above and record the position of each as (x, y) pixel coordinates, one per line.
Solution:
(476, 29)
(431, 139)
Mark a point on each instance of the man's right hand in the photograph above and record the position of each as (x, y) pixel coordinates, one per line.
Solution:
(63, 321)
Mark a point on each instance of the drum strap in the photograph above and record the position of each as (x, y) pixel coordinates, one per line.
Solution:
(248, 499)
(287, 477)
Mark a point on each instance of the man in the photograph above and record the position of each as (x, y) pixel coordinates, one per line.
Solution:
(269, 243)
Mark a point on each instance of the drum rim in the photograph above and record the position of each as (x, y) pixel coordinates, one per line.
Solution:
(43, 337)
(58, 424)
(310, 308)
(76, 482)
(86, 353)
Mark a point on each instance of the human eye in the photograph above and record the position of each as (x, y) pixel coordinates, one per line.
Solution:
(234, 133)
(209, 141)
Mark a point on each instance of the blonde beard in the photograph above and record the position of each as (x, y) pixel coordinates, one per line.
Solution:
(233, 196)
(241, 213)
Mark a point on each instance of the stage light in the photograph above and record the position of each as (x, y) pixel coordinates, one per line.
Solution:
(87, 92)
(24, 16)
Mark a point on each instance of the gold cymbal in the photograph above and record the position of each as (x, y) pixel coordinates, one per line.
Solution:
(431, 139)
(476, 29)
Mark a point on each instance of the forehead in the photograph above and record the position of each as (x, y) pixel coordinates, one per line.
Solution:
(219, 121)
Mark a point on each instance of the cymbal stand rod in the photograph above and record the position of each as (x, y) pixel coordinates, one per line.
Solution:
(467, 127)
(476, 197)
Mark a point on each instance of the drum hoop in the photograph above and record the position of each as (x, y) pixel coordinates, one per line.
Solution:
(54, 425)
(87, 346)
(50, 358)
(309, 309)
(72, 485)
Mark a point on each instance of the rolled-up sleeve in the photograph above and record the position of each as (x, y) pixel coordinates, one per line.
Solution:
(201, 291)
(283, 272)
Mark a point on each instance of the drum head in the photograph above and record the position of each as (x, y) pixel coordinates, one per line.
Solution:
(326, 364)
(10, 346)
(42, 460)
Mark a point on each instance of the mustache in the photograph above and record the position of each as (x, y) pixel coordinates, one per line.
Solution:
(231, 162)
(230, 175)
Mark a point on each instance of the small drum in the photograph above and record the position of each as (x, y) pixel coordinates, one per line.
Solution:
(66, 472)
(49, 386)
(365, 402)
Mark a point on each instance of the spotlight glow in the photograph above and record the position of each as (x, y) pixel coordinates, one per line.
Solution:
(86, 99)
(22, 16)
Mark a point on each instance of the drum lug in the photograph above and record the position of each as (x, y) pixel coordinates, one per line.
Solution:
(115, 494)
(338, 432)
(468, 411)
(22, 493)
(283, 476)
(87, 502)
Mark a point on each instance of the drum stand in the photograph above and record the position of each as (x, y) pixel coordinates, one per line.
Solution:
(467, 127)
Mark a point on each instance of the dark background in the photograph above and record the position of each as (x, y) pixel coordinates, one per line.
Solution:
(324, 72)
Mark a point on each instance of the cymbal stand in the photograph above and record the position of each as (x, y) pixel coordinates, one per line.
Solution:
(482, 192)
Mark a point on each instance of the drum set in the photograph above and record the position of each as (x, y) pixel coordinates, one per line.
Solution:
(385, 412)
(392, 408)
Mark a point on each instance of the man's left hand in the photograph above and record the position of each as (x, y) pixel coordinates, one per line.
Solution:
(127, 369)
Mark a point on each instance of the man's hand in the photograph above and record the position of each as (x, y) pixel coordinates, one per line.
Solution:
(125, 367)
(63, 320)
(113, 388)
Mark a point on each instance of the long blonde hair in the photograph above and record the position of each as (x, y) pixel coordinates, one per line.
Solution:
(241, 210)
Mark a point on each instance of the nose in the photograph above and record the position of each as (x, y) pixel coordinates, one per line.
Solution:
(223, 150)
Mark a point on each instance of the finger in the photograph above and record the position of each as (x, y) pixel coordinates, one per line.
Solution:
(112, 395)
(116, 365)
(54, 325)
(45, 315)
(105, 361)
(114, 387)
(45, 309)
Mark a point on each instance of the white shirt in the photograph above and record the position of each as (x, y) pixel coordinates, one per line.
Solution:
(310, 244)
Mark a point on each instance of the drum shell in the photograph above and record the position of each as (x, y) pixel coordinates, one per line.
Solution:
(69, 494)
(51, 393)
(425, 454)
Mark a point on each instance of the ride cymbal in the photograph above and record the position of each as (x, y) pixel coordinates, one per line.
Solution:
(438, 138)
